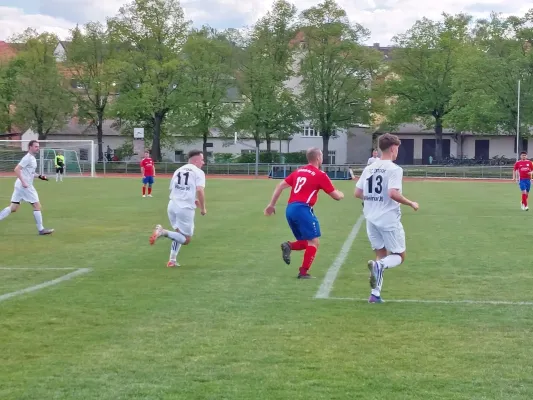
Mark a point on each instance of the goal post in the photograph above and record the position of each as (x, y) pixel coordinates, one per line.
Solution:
(80, 160)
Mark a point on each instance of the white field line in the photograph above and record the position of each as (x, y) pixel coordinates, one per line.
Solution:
(327, 284)
(35, 269)
(43, 285)
(450, 302)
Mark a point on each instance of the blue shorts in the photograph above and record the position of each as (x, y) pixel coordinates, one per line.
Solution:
(525, 184)
(148, 180)
(302, 221)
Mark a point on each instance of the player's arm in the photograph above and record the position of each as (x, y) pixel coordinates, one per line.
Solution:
(329, 189)
(280, 187)
(395, 185)
(142, 168)
(515, 169)
(200, 192)
(359, 186)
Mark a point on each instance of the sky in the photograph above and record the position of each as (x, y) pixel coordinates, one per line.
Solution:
(384, 18)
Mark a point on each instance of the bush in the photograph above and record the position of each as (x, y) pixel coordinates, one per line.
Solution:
(295, 158)
(224, 158)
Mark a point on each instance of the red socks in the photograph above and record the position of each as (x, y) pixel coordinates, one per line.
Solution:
(298, 245)
(149, 190)
(524, 199)
(144, 190)
(309, 257)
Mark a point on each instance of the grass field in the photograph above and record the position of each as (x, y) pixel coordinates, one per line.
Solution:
(234, 323)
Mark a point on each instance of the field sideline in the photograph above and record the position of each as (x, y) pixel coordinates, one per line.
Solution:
(234, 323)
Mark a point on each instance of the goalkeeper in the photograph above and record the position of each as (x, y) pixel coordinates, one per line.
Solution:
(60, 166)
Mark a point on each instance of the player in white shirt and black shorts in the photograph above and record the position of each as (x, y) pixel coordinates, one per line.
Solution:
(380, 188)
(186, 194)
(24, 189)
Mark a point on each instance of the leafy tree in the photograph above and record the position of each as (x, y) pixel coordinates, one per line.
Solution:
(208, 73)
(485, 84)
(42, 99)
(8, 88)
(424, 62)
(151, 34)
(335, 70)
(91, 61)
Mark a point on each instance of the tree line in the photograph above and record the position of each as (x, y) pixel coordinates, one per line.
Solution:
(148, 67)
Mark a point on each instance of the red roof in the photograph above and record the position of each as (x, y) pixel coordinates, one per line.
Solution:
(6, 51)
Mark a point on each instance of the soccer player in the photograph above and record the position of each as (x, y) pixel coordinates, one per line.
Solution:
(60, 166)
(522, 173)
(186, 193)
(380, 187)
(305, 183)
(24, 190)
(374, 157)
(148, 172)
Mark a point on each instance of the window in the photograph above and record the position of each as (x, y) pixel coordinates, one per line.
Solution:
(179, 156)
(310, 132)
(331, 156)
(84, 155)
(525, 142)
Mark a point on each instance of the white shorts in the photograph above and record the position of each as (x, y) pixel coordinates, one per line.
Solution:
(181, 218)
(29, 195)
(392, 240)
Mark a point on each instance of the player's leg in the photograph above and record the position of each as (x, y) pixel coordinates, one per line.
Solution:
(32, 197)
(16, 198)
(523, 184)
(527, 189)
(299, 244)
(57, 173)
(144, 180)
(310, 231)
(61, 173)
(150, 183)
(378, 245)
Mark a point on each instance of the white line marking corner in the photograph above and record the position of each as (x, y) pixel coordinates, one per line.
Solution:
(327, 284)
(43, 285)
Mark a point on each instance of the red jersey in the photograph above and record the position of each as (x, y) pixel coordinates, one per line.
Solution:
(148, 165)
(524, 167)
(306, 182)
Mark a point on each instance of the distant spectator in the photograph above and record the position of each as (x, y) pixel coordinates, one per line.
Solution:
(374, 157)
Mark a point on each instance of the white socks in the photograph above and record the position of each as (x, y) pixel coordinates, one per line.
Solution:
(174, 250)
(176, 236)
(38, 220)
(5, 212)
(391, 261)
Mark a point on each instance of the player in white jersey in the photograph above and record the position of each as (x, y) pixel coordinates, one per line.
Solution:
(24, 189)
(186, 194)
(380, 187)
(374, 157)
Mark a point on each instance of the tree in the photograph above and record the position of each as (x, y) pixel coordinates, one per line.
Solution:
(42, 99)
(208, 73)
(336, 70)
(263, 70)
(424, 62)
(91, 61)
(151, 34)
(485, 84)
(8, 89)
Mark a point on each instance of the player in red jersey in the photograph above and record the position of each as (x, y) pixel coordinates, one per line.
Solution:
(148, 172)
(305, 182)
(522, 174)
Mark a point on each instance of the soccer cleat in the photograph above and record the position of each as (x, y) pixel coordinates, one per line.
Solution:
(373, 267)
(46, 232)
(286, 252)
(305, 276)
(173, 264)
(375, 299)
(158, 232)
(149, 195)
(144, 195)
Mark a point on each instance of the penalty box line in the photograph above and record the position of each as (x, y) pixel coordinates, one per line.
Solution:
(327, 284)
(63, 278)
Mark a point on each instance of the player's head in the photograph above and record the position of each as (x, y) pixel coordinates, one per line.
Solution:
(523, 155)
(196, 157)
(147, 154)
(389, 144)
(33, 147)
(314, 156)
(375, 153)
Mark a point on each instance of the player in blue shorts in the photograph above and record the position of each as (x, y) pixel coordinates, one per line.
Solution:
(522, 172)
(148, 172)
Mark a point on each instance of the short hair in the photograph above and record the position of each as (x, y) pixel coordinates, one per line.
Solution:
(523, 152)
(147, 151)
(386, 141)
(194, 153)
(312, 154)
(32, 142)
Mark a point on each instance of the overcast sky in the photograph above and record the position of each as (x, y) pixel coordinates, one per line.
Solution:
(384, 18)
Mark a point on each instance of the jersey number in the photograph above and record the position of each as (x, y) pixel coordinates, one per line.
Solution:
(377, 188)
(300, 182)
(185, 175)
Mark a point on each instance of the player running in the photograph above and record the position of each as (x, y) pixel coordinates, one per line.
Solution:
(24, 190)
(380, 187)
(305, 182)
(186, 193)
(148, 172)
(522, 171)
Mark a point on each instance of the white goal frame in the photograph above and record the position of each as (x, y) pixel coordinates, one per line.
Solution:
(55, 146)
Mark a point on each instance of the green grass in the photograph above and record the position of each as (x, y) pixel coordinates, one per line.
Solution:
(234, 323)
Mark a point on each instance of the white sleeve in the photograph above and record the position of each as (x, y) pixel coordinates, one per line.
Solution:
(200, 179)
(25, 161)
(172, 182)
(361, 182)
(395, 179)
(369, 161)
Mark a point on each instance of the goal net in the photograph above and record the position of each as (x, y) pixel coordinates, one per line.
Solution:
(79, 156)
(335, 172)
